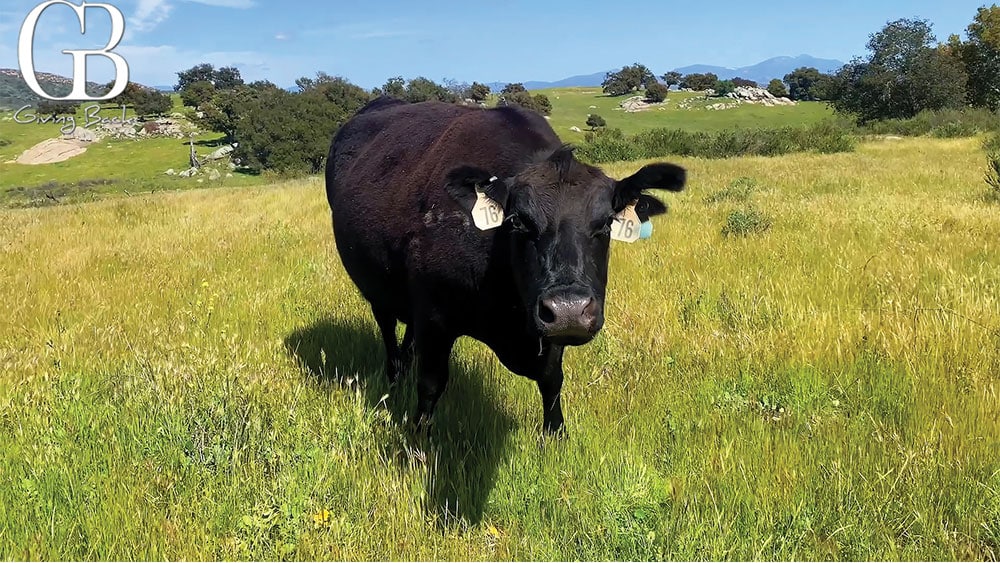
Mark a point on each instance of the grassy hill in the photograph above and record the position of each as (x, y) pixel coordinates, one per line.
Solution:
(571, 106)
(193, 376)
(119, 165)
(14, 93)
(108, 166)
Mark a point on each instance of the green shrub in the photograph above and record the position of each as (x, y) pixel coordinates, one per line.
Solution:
(654, 143)
(4, 142)
(608, 145)
(595, 121)
(945, 123)
(656, 92)
(992, 177)
(739, 189)
(992, 143)
(746, 221)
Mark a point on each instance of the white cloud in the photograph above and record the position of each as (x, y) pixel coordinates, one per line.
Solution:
(151, 13)
(281, 37)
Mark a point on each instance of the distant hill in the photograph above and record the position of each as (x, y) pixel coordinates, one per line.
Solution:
(14, 93)
(762, 72)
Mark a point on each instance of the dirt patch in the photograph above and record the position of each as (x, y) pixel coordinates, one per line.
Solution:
(52, 150)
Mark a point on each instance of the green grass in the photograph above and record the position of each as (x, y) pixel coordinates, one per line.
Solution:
(571, 106)
(193, 376)
(107, 166)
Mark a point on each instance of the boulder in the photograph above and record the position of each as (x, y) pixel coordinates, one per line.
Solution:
(81, 134)
(575, 129)
(221, 152)
(189, 173)
(171, 172)
(760, 96)
(214, 174)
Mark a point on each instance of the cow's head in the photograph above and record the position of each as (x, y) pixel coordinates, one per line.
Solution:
(558, 214)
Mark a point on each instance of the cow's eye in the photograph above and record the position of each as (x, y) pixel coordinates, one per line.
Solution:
(605, 229)
(517, 223)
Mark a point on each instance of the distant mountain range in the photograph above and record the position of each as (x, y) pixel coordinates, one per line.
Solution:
(761, 73)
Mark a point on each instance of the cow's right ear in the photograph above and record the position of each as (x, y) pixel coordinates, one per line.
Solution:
(464, 181)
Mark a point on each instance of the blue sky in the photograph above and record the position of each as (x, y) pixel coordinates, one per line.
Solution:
(484, 40)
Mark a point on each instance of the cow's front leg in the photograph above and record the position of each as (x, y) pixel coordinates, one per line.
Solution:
(544, 366)
(433, 349)
(550, 385)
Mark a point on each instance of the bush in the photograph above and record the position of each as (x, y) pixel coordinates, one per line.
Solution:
(656, 92)
(992, 177)
(777, 89)
(608, 145)
(698, 81)
(938, 123)
(150, 102)
(4, 142)
(198, 93)
(49, 107)
(479, 92)
(724, 87)
(739, 190)
(290, 133)
(538, 103)
(611, 145)
(746, 221)
(594, 121)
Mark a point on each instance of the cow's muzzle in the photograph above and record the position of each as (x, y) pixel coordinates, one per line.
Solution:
(569, 317)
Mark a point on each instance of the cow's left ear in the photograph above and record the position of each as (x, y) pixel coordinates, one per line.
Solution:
(661, 176)
(464, 181)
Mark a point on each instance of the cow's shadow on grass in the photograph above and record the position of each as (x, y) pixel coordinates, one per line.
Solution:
(470, 435)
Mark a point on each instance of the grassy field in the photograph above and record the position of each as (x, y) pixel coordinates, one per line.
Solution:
(571, 106)
(108, 166)
(192, 376)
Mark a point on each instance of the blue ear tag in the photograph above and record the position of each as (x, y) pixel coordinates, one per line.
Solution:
(646, 230)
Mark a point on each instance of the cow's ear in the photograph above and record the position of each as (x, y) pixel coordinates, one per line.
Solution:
(464, 181)
(661, 176)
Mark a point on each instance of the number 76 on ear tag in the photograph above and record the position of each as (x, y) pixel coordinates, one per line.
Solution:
(487, 214)
(626, 227)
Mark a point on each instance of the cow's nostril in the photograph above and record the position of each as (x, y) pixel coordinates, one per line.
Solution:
(545, 313)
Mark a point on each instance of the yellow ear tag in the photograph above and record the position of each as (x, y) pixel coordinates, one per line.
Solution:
(626, 226)
(487, 214)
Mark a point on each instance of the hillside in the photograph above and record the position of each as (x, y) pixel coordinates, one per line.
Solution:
(14, 93)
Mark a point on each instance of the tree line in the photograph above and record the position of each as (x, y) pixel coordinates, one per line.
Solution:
(906, 71)
(290, 131)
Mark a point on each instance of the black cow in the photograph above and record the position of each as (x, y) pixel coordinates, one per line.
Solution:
(403, 180)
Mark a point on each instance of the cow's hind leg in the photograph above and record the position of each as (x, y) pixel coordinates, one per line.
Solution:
(394, 364)
(407, 345)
